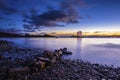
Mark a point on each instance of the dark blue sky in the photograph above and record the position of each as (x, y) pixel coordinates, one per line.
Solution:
(59, 15)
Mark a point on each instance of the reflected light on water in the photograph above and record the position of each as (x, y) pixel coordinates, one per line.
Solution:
(95, 50)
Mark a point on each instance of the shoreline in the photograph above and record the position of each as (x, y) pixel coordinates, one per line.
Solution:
(59, 37)
(50, 67)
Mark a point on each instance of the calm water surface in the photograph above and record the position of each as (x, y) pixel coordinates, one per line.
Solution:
(95, 50)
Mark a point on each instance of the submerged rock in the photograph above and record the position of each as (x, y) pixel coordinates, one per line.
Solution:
(64, 51)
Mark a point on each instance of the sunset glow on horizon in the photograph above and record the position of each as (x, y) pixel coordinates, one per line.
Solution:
(60, 17)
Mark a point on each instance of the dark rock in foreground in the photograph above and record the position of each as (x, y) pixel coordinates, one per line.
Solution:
(5, 45)
(50, 66)
(78, 70)
(64, 69)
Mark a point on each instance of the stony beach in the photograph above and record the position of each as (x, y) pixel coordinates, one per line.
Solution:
(35, 64)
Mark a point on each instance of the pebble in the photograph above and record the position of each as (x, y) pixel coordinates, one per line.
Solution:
(62, 69)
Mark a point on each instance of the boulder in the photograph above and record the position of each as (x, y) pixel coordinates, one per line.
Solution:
(67, 52)
(40, 64)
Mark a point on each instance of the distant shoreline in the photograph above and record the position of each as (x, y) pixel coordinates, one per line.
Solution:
(55, 37)
(13, 35)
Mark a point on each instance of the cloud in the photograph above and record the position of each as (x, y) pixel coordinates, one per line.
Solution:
(50, 13)
(97, 32)
(1, 17)
(11, 30)
(50, 7)
(4, 18)
(72, 6)
(89, 17)
(5, 8)
(48, 19)
(53, 33)
(27, 28)
(67, 13)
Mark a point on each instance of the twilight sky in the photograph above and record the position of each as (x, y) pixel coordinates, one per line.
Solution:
(59, 15)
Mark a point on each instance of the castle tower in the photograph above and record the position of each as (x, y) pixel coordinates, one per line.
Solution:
(79, 34)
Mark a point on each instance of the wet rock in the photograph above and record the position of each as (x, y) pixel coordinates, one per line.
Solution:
(64, 51)
(31, 64)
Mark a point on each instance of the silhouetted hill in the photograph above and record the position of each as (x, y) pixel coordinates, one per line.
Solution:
(45, 35)
(4, 34)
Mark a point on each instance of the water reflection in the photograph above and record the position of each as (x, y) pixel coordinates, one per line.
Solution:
(78, 45)
(95, 50)
(108, 45)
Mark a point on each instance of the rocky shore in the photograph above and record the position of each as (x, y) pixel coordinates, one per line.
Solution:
(35, 64)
